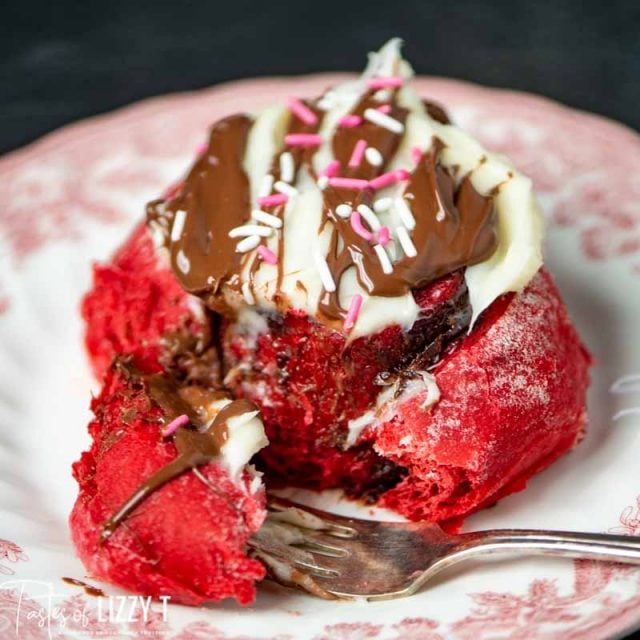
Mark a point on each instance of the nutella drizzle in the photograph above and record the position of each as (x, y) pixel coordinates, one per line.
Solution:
(216, 198)
(455, 225)
(88, 589)
(195, 445)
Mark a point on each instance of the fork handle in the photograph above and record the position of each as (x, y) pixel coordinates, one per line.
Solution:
(594, 546)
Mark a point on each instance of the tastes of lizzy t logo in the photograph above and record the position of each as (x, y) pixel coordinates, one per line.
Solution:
(30, 607)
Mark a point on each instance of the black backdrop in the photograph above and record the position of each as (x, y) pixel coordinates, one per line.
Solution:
(60, 60)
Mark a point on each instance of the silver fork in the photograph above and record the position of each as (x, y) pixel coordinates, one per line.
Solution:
(332, 556)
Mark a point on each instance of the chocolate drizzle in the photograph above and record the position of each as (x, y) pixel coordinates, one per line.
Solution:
(195, 443)
(88, 589)
(216, 198)
(455, 225)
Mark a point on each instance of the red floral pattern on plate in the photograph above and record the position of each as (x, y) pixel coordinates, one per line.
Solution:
(13, 553)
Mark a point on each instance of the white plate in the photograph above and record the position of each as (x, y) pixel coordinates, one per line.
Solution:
(71, 198)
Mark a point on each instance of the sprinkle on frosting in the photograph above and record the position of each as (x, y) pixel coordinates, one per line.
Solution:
(175, 424)
(358, 154)
(250, 230)
(391, 82)
(350, 120)
(267, 255)
(374, 157)
(383, 120)
(406, 243)
(384, 236)
(178, 225)
(273, 200)
(303, 139)
(348, 183)
(287, 167)
(344, 210)
(325, 273)
(369, 216)
(248, 244)
(332, 169)
(387, 267)
(266, 218)
(357, 226)
(300, 110)
(353, 313)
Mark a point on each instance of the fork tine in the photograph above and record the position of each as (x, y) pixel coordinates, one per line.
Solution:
(309, 518)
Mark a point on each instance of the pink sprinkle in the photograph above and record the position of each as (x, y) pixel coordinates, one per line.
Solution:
(267, 255)
(201, 148)
(384, 235)
(350, 121)
(348, 183)
(301, 111)
(174, 425)
(384, 108)
(332, 169)
(356, 225)
(416, 154)
(358, 153)
(391, 82)
(391, 177)
(353, 313)
(303, 139)
(273, 200)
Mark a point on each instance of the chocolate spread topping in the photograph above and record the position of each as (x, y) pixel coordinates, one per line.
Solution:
(88, 589)
(216, 198)
(455, 225)
(195, 444)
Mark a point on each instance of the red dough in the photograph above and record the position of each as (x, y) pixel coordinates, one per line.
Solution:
(512, 401)
(185, 540)
(133, 305)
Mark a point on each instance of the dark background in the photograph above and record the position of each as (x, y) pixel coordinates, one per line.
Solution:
(60, 61)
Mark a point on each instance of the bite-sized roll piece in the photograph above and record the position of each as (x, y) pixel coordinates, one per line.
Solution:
(167, 504)
(137, 308)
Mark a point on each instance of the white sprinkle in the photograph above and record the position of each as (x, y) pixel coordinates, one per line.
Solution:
(323, 182)
(440, 215)
(183, 262)
(265, 186)
(266, 218)
(382, 204)
(382, 95)
(287, 189)
(287, 168)
(406, 242)
(406, 216)
(344, 210)
(324, 272)
(250, 230)
(247, 244)
(383, 120)
(374, 157)
(387, 267)
(178, 225)
(369, 216)
(248, 294)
